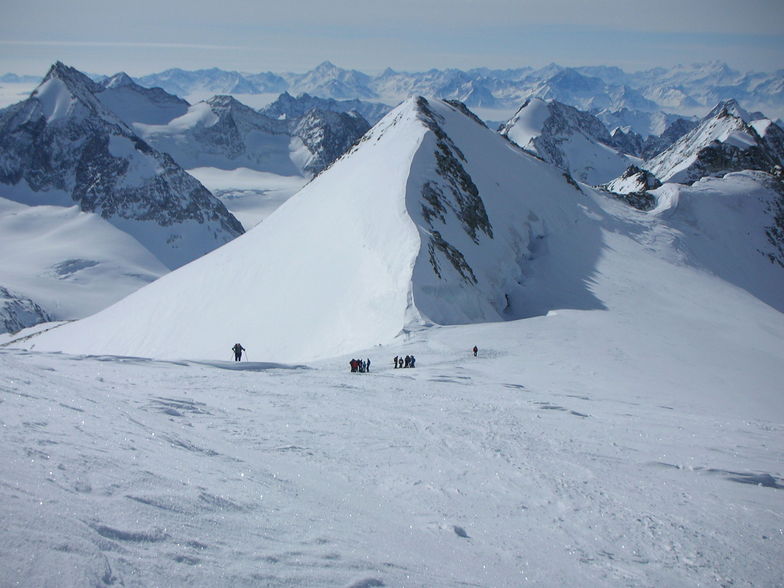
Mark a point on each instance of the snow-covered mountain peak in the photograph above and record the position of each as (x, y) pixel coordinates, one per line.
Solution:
(575, 141)
(78, 152)
(288, 107)
(726, 140)
(68, 74)
(65, 93)
(729, 108)
(326, 67)
(329, 81)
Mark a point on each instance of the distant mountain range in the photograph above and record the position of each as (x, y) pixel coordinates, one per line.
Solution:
(691, 89)
(636, 100)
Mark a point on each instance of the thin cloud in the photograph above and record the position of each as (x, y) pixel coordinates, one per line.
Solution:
(119, 44)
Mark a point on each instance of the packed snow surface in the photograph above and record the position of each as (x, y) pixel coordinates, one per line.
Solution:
(639, 447)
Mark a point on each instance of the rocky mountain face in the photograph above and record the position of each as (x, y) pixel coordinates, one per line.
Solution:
(574, 141)
(327, 135)
(133, 103)
(632, 143)
(656, 144)
(18, 312)
(224, 133)
(63, 146)
(288, 107)
(633, 187)
(728, 139)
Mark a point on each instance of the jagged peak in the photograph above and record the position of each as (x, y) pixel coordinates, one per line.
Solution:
(72, 77)
(63, 88)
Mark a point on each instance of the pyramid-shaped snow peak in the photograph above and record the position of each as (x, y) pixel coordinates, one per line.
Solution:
(432, 217)
(575, 141)
(726, 140)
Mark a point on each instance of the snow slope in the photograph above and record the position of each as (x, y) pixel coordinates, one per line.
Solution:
(639, 445)
(250, 195)
(71, 263)
(735, 220)
(627, 431)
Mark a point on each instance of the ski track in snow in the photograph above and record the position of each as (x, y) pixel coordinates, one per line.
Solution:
(460, 472)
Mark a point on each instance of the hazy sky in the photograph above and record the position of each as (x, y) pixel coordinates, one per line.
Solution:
(146, 36)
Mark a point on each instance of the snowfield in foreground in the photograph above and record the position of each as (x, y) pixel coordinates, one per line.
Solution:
(563, 455)
(638, 444)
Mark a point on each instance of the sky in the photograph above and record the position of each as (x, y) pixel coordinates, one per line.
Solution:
(147, 36)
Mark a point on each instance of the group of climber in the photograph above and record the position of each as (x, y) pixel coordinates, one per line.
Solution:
(408, 361)
(361, 366)
(357, 365)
